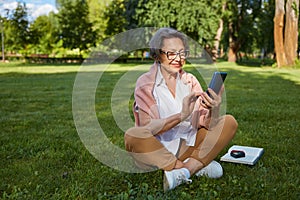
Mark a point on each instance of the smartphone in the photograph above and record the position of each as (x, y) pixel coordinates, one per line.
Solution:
(216, 82)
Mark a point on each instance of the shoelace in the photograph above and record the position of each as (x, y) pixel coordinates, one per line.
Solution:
(181, 178)
(202, 172)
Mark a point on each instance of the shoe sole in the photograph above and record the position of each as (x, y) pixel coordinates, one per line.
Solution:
(166, 183)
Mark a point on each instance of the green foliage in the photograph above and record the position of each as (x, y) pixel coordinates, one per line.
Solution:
(82, 24)
(44, 34)
(17, 36)
(198, 19)
(121, 16)
(116, 20)
(265, 27)
(76, 29)
(251, 25)
(97, 9)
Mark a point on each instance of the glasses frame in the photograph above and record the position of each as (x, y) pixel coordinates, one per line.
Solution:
(186, 52)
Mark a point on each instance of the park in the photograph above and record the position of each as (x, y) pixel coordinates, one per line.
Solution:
(43, 156)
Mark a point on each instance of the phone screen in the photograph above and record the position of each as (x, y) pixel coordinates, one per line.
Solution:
(217, 82)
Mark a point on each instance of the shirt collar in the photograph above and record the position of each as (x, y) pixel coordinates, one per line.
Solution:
(159, 77)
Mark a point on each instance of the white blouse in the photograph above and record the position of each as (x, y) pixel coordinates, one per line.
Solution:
(169, 105)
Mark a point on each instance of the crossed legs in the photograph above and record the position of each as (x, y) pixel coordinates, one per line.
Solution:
(149, 153)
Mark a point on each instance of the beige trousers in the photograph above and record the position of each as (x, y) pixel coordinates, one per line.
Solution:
(149, 153)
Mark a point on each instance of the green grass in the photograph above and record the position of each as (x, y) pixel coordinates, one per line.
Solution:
(42, 156)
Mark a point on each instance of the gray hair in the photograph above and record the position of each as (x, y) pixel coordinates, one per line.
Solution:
(157, 40)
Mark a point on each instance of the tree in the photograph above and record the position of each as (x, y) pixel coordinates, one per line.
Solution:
(76, 29)
(18, 33)
(3, 22)
(188, 16)
(291, 31)
(115, 15)
(97, 10)
(286, 31)
(278, 33)
(241, 19)
(121, 15)
(44, 33)
(246, 23)
(265, 28)
(218, 35)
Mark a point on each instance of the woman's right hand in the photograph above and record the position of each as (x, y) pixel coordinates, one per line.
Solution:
(188, 105)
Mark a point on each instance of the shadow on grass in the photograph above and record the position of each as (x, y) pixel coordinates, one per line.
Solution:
(255, 62)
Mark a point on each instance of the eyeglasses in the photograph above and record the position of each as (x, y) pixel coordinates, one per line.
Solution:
(171, 55)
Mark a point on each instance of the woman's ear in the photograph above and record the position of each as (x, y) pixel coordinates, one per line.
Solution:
(156, 58)
(158, 61)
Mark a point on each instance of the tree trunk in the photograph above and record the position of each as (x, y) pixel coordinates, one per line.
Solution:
(232, 57)
(291, 31)
(215, 49)
(233, 45)
(278, 33)
(218, 36)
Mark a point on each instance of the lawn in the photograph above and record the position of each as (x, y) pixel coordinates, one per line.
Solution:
(43, 157)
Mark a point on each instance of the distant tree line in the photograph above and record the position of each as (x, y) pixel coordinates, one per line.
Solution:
(233, 29)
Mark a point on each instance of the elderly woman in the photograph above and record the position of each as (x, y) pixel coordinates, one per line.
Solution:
(178, 127)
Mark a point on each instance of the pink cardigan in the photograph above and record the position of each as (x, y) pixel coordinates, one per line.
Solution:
(145, 101)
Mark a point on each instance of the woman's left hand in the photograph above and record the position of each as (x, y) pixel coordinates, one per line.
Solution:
(211, 103)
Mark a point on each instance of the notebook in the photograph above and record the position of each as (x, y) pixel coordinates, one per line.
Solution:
(252, 155)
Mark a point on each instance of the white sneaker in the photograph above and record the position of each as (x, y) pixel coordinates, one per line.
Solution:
(213, 170)
(174, 178)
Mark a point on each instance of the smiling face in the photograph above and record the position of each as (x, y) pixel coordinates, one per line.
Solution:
(174, 61)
